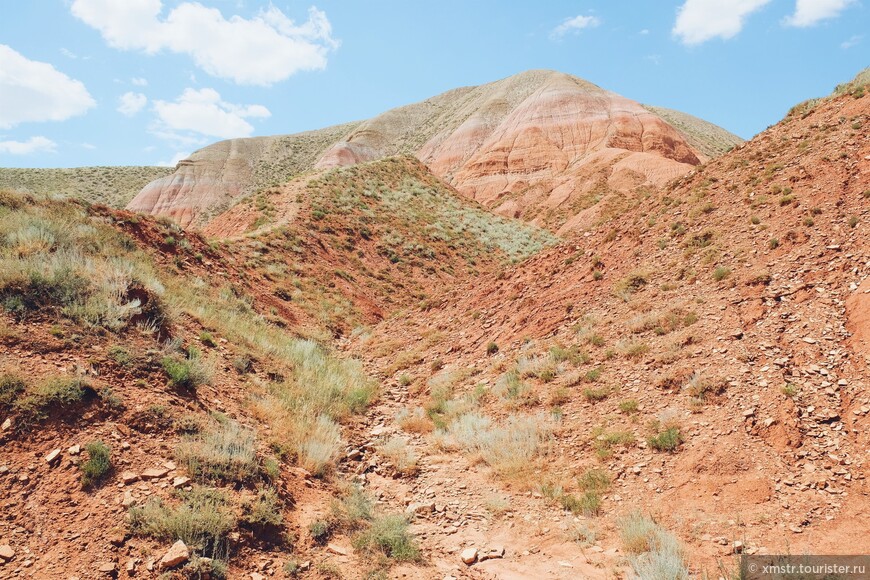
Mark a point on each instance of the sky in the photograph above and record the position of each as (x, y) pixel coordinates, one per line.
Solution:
(147, 82)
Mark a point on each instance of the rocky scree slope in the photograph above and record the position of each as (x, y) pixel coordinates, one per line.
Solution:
(703, 346)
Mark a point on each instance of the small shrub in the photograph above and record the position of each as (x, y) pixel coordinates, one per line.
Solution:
(11, 386)
(654, 553)
(755, 220)
(400, 455)
(242, 364)
(594, 480)
(491, 348)
(721, 272)
(853, 221)
(636, 532)
(436, 365)
(632, 348)
(224, 453)
(121, 356)
(414, 420)
(186, 372)
(789, 390)
(202, 519)
(587, 504)
(629, 406)
(320, 530)
(52, 393)
(320, 446)
(666, 440)
(773, 243)
(98, 465)
(264, 512)
(390, 536)
(594, 395)
(207, 339)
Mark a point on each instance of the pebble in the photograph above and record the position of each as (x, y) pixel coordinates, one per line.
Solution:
(177, 554)
(52, 456)
(469, 556)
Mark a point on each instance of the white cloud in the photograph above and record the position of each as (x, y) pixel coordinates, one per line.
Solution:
(811, 12)
(36, 91)
(702, 20)
(88, 146)
(32, 145)
(574, 25)
(644, 32)
(139, 82)
(175, 159)
(203, 112)
(131, 103)
(265, 49)
(851, 42)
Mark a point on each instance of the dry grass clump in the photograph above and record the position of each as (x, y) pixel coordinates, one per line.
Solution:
(508, 447)
(654, 553)
(225, 452)
(202, 518)
(400, 454)
(414, 420)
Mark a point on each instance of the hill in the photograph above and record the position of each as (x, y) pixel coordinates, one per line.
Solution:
(112, 186)
(698, 354)
(360, 372)
(539, 145)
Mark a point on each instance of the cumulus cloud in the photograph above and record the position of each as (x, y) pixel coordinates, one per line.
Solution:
(574, 25)
(131, 103)
(32, 145)
(36, 91)
(202, 111)
(701, 20)
(262, 50)
(811, 12)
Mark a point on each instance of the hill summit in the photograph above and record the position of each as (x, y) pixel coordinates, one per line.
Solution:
(538, 145)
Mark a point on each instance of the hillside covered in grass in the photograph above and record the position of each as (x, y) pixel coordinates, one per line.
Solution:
(111, 186)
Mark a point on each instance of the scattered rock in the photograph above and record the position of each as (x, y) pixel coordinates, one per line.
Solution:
(117, 537)
(128, 477)
(257, 576)
(53, 456)
(75, 449)
(6, 552)
(422, 507)
(492, 553)
(180, 481)
(108, 568)
(7, 425)
(177, 554)
(131, 567)
(154, 473)
(336, 549)
(737, 547)
(469, 556)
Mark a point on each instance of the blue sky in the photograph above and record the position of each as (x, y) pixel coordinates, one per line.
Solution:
(145, 82)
